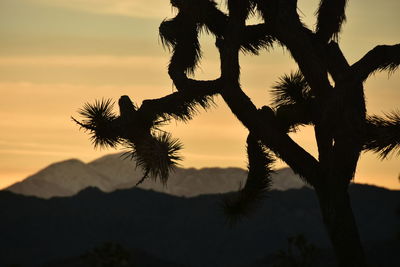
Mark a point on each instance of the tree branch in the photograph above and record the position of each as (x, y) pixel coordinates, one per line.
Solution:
(261, 124)
(382, 57)
(258, 182)
(346, 117)
(338, 66)
(181, 34)
(291, 116)
(331, 15)
(255, 37)
(265, 127)
(287, 28)
(181, 105)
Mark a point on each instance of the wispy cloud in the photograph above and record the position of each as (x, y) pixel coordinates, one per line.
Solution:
(135, 8)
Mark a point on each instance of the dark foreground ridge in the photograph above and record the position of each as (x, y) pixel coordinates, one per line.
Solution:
(187, 231)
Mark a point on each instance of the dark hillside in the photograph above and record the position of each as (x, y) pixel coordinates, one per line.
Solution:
(188, 231)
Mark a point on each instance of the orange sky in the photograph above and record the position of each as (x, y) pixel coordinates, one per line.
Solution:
(55, 55)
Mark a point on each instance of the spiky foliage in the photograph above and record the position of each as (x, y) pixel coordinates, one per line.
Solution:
(214, 20)
(293, 102)
(207, 16)
(258, 183)
(381, 58)
(181, 35)
(178, 106)
(187, 108)
(98, 120)
(291, 89)
(138, 129)
(156, 155)
(383, 134)
(255, 38)
(391, 61)
(331, 16)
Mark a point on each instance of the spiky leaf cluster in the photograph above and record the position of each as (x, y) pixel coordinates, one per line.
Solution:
(291, 89)
(156, 155)
(383, 134)
(258, 183)
(154, 150)
(98, 120)
(293, 101)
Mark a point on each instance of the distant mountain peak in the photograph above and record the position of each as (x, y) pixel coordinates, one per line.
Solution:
(112, 172)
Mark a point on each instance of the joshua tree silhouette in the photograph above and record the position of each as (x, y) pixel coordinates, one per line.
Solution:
(336, 109)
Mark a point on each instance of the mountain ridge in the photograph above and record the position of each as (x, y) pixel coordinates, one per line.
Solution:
(112, 172)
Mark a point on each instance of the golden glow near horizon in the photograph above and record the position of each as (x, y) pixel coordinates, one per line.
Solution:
(55, 55)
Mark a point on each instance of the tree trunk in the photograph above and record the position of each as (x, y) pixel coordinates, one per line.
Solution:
(341, 227)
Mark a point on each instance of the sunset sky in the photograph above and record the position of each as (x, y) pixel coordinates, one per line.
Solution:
(56, 55)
